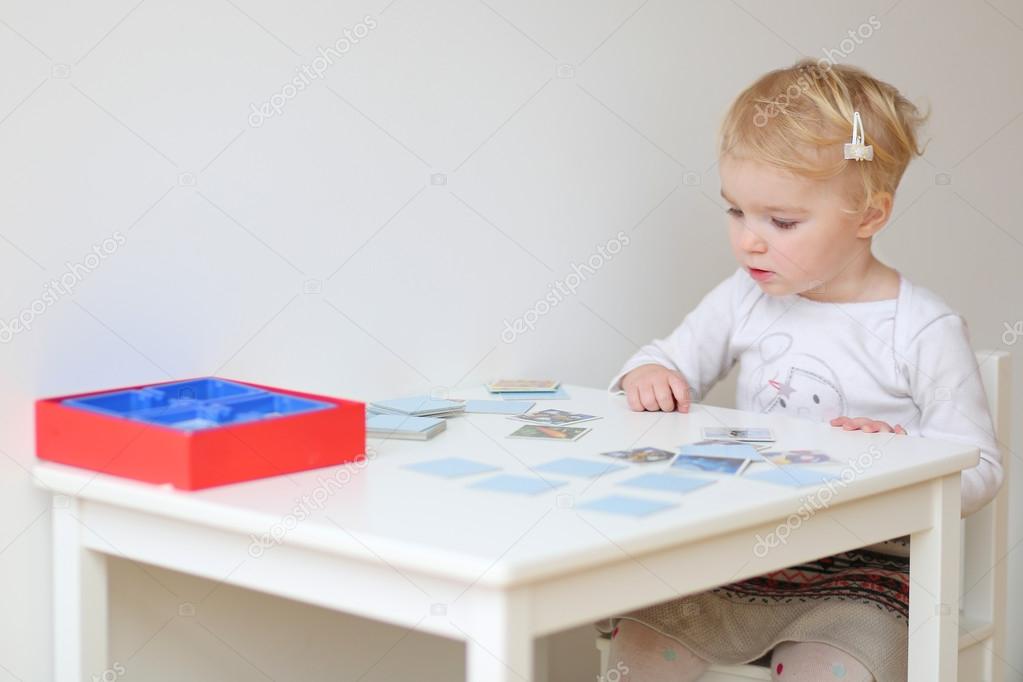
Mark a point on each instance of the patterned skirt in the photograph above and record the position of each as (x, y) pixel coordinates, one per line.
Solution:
(856, 601)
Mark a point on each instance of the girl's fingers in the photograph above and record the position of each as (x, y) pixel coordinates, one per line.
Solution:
(664, 399)
(858, 423)
(680, 390)
(647, 398)
(663, 394)
(866, 425)
(632, 395)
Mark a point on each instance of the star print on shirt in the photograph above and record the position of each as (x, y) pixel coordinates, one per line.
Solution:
(804, 393)
(784, 390)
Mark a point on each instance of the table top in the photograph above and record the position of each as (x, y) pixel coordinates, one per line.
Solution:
(382, 512)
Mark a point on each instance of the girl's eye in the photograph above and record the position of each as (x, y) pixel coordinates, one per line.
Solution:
(734, 212)
(783, 224)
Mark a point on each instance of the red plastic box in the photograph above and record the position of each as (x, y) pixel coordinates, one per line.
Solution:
(199, 433)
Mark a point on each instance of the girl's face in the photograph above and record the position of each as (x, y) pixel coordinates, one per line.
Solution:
(789, 232)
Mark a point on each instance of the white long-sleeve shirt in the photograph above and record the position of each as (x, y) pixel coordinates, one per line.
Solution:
(904, 361)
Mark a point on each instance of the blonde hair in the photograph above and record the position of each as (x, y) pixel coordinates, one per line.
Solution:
(798, 119)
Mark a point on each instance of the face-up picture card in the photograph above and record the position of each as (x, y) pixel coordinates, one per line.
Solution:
(538, 432)
(640, 455)
(667, 482)
(789, 457)
(517, 485)
(552, 417)
(623, 505)
(710, 465)
(570, 466)
(749, 433)
(732, 449)
(451, 467)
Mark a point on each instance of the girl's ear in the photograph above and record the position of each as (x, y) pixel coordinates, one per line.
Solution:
(875, 216)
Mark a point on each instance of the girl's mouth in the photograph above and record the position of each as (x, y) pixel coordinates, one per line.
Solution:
(760, 275)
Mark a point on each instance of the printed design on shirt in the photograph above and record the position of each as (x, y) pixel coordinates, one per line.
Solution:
(797, 384)
(807, 395)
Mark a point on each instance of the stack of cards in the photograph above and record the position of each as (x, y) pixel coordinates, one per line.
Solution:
(528, 389)
(750, 434)
(721, 441)
(523, 385)
(418, 406)
(403, 427)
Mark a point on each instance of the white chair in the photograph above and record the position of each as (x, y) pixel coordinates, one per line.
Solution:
(982, 570)
(985, 536)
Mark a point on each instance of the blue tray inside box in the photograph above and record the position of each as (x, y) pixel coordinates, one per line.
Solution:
(205, 389)
(196, 404)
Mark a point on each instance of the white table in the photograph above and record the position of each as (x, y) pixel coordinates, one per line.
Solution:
(498, 571)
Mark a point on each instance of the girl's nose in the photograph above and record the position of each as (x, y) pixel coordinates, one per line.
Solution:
(752, 242)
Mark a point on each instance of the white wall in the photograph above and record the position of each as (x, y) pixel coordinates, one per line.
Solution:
(319, 251)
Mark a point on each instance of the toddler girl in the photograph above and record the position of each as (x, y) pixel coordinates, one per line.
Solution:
(810, 158)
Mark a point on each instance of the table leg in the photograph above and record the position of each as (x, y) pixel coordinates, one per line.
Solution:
(934, 588)
(541, 659)
(498, 641)
(79, 599)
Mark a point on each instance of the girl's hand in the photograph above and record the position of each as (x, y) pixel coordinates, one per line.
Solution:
(868, 425)
(655, 387)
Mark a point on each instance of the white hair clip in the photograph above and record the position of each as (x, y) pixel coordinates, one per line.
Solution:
(856, 149)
